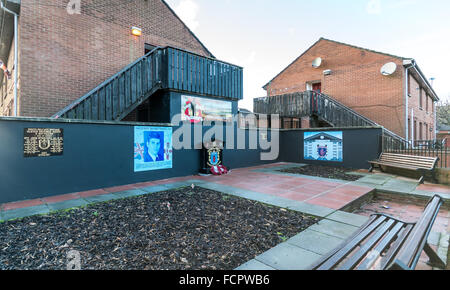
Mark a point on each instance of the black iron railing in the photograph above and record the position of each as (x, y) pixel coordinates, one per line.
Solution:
(428, 148)
(162, 68)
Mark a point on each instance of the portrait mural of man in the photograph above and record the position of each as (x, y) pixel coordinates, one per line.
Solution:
(152, 148)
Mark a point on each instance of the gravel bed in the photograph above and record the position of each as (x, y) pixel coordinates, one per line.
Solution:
(186, 228)
(324, 171)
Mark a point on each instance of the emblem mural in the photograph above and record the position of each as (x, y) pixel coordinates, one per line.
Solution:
(323, 146)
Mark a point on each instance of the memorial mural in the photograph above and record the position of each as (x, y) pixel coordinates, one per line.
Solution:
(197, 110)
(152, 148)
(323, 146)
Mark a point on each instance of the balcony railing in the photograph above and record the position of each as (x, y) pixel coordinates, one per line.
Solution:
(311, 103)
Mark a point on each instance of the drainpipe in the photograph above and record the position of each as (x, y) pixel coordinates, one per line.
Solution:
(412, 127)
(410, 63)
(435, 121)
(16, 16)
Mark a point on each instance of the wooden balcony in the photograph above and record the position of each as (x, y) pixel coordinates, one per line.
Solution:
(163, 68)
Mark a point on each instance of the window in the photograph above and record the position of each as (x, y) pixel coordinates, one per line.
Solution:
(426, 131)
(420, 98)
(415, 130)
(409, 129)
(426, 105)
(420, 131)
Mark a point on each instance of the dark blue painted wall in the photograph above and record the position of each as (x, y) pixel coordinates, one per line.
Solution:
(359, 146)
(95, 156)
(99, 155)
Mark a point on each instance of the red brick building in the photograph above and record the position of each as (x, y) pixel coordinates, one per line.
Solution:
(444, 135)
(68, 47)
(352, 76)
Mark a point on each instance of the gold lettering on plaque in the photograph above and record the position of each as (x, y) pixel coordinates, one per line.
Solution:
(43, 142)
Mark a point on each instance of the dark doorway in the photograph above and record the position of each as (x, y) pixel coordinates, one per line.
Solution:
(317, 87)
(148, 48)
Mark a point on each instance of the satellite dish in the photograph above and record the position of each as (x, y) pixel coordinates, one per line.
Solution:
(388, 69)
(317, 62)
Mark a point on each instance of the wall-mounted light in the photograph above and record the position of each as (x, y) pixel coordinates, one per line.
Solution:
(136, 31)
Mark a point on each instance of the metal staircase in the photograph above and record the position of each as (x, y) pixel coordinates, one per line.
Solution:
(162, 68)
(314, 104)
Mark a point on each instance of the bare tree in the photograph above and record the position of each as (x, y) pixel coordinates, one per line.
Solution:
(443, 113)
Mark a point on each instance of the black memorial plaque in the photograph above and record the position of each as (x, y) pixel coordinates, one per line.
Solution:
(43, 142)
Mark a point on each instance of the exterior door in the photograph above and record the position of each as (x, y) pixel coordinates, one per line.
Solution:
(317, 87)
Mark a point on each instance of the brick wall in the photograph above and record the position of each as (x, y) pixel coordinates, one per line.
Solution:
(423, 113)
(355, 81)
(64, 56)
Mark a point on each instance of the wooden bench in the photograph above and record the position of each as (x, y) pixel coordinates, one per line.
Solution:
(421, 164)
(386, 243)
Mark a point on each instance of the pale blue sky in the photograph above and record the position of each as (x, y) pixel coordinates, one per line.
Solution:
(264, 36)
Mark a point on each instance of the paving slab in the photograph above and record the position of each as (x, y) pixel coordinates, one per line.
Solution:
(130, 193)
(195, 181)
(25, 212)
(288, 257)
(311, 209)
(348, 218)
(101, 198)
(176, 185)
(443, 246)
(335, 229)
(434, 238)
(374, 179)
(254, 265)
(153, 189)
(315, 242)
(66, 204)
(400, 185)
(316, 178)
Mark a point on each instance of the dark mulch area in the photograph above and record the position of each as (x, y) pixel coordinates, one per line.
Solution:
(187, 228)
(324, 171)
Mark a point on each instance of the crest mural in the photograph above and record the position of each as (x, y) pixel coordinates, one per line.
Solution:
(323, 146)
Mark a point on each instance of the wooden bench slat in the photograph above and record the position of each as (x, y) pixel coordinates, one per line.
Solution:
(407, 161)
(415, 241)
(324, 258)
(374, 255)
(359, 255)
(404, 155)
(400, 166)
(387, 259)
(335, 259)
(403, 243)
(423, 158)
